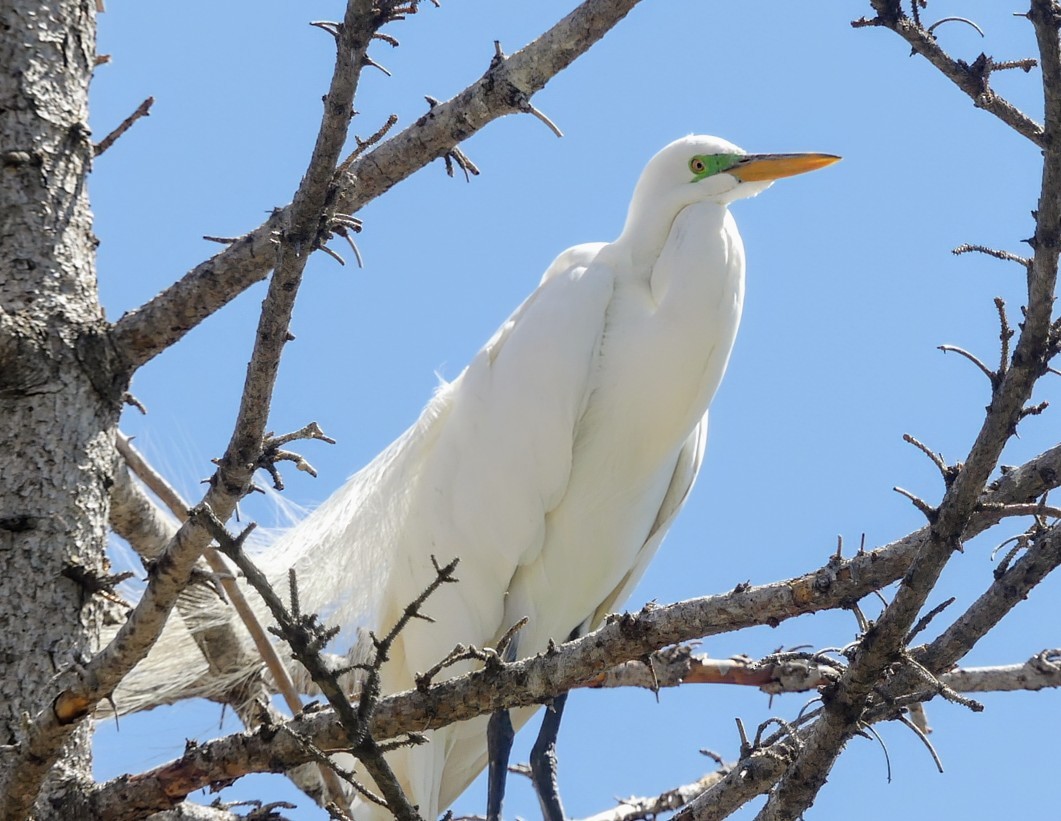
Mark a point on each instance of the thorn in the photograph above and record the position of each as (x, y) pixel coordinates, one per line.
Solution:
(526, 107)
(368, 61)
(860, 618)
(927, 509)
(132, 401)
(353, 246)
(990, 374)
(867, 728)
(937, 458)
(745, 745)
(965, 20)
(924, 739)
(499, 55)
(327, 25)
(457, 156)
(333, 255)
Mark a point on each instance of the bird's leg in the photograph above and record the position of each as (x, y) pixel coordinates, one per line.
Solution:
(499, 735)
(543, 761)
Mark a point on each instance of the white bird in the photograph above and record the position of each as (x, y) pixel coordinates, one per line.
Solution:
(557, 460)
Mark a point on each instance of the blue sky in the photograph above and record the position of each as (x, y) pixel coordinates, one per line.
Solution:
(851, 286)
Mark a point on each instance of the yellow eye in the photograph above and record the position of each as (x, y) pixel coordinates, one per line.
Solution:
(697, 165)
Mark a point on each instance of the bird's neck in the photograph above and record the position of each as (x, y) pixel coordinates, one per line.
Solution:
(644, 235)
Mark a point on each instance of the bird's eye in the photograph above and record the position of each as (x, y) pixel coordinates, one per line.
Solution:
(697, 165)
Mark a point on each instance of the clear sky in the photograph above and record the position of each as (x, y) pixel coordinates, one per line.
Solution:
(851, 286)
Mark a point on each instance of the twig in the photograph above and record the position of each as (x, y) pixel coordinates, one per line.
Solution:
(1039, 672)
(868, 729)
(798, 788)
(943, 20)
(365, 145)
(936, 458)
(535, 680)
(990, 374)
(1005, 334)
(265, 648)
(648, 809)
(143, 110)
(991, 252)
(930, 512)
(967, 79)
(906, 722)
(926, 619)
(145, 332)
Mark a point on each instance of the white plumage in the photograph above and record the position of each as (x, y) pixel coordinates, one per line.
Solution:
(554, 464)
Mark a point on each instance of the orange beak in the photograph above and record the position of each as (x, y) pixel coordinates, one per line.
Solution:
(755, 167)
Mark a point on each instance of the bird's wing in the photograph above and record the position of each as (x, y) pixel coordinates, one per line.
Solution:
(685, 470)
(497, 458)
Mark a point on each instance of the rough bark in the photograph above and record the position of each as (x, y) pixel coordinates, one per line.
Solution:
(59, 392)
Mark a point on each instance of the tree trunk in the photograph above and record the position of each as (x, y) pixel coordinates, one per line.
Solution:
(60, 389)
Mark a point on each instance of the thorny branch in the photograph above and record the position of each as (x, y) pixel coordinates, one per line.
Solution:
(47, 731)
(503, 89)
(971, 78)
(882, 645)
(957, 517)
(221, 644)
(536, 680)
(307, 638)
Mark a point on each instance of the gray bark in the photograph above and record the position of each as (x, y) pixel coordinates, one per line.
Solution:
(59, 396)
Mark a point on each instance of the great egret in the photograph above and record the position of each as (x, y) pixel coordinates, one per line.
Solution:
(555, 463)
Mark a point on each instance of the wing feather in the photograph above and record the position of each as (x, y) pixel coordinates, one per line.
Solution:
(686, 469)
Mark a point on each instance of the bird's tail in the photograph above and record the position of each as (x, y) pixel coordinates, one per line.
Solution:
(204, 651)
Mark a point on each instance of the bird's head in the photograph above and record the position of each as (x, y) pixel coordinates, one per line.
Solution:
(700, 168)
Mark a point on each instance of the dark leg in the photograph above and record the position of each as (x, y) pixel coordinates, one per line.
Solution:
(499, 737)
(543, 762)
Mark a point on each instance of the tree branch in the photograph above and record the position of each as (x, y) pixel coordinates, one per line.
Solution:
(970, 78)
(48, 730)
(536, 680)
(1038, 673)
(1009, 589)
(222, 646)
(505, 88)
(880, 647)
(635, 809)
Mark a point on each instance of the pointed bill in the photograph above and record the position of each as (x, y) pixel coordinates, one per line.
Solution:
(755, 167)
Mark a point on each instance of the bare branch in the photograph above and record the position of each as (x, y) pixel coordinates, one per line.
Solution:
(879, 647)
(971, 79)
(143, 110)
(636, 809)
(220, 644)
(792, 672)
(48, 730)
(990, 374)
(991, 252)
(629, 637)
(1041, 558)
(144, 332)
(1038, 673)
